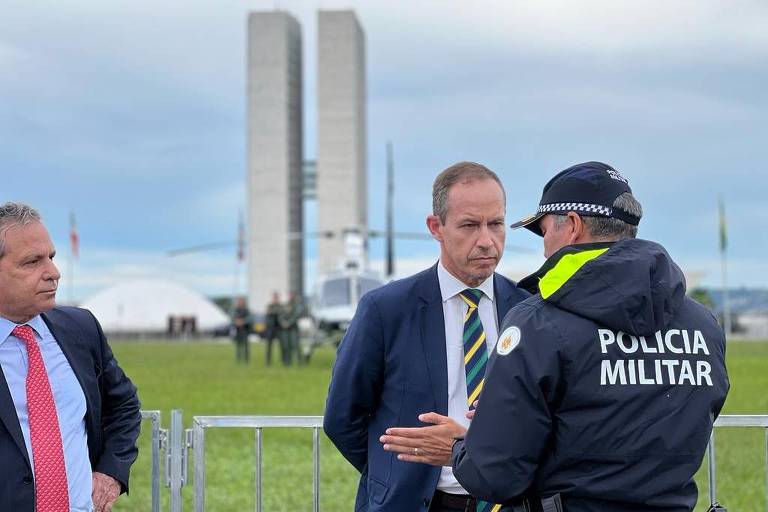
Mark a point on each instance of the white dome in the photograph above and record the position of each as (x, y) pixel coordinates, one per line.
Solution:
(145, 306)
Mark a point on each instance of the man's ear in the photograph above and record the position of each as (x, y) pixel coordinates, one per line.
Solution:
(577, 228)
(434, 225)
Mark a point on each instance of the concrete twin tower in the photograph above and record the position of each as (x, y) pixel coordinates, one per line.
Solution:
(276, 162)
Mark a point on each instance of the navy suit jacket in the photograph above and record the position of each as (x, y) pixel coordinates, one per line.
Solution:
(391, 367)
(112, 418)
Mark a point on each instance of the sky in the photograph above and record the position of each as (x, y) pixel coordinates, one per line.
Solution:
(132, 115)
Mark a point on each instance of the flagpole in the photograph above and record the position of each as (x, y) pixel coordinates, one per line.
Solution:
(74, 251)
(724, 271)
(71, 273)
(239, 258)
(726, 297)
(235, 286)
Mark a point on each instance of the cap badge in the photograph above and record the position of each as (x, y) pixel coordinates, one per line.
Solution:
(613, 173)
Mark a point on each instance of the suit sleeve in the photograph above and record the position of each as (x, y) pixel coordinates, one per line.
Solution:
(120, 418)
(498, 459)
(355, 387)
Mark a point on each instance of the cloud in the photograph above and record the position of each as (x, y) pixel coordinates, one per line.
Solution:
(593, 27)
(218, 206)
(11, 59)
(132, 114)
(742, 271)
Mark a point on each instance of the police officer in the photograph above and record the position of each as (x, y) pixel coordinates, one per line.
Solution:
(604, 385)
(241, 320)
(272, 328)
(289, 322)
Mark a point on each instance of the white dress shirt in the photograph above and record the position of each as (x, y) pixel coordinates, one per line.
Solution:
(454, 310)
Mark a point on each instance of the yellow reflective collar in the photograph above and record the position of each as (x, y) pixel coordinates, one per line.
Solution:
(565, 269)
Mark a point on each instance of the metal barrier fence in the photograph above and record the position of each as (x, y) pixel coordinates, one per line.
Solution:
(178, 441)
(200, 423)
(735, 421)
(158, 441)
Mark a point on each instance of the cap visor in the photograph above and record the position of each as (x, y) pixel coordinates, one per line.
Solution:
(531, 223)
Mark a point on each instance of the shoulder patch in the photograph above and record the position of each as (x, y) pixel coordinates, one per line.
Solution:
(508, 340)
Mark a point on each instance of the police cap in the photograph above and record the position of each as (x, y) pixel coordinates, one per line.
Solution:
(588, 189)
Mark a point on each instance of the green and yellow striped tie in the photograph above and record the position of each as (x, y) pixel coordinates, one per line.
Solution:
(475, 359)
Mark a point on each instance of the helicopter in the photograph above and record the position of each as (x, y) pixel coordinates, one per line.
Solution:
(337, 293)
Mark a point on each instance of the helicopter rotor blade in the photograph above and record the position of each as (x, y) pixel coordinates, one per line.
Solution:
(373, 233)
(212, 246)
(298, 235)
(200, 248)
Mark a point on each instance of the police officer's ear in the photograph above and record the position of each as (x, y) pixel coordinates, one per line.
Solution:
(577, 231)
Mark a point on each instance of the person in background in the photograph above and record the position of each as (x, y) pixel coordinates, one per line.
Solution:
(241, 322)
(272, 329)
(289, 323)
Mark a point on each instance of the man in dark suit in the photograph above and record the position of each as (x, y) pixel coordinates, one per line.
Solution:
(415, 353)
(69, 416)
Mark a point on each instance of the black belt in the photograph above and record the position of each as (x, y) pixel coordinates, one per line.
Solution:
(468, 503)
(551, 504)
(462, 501)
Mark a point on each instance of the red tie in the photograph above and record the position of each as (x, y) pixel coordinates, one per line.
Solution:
(51, 494)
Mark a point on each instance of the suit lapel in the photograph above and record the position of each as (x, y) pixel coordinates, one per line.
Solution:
(65, 337)
(9, 418)
(502, 291)
(433, 336)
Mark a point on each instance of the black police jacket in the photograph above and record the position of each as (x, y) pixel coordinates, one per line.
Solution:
(603, 387)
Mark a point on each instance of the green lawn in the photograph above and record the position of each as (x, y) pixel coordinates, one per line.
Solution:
(203, 379)
(740, 453)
